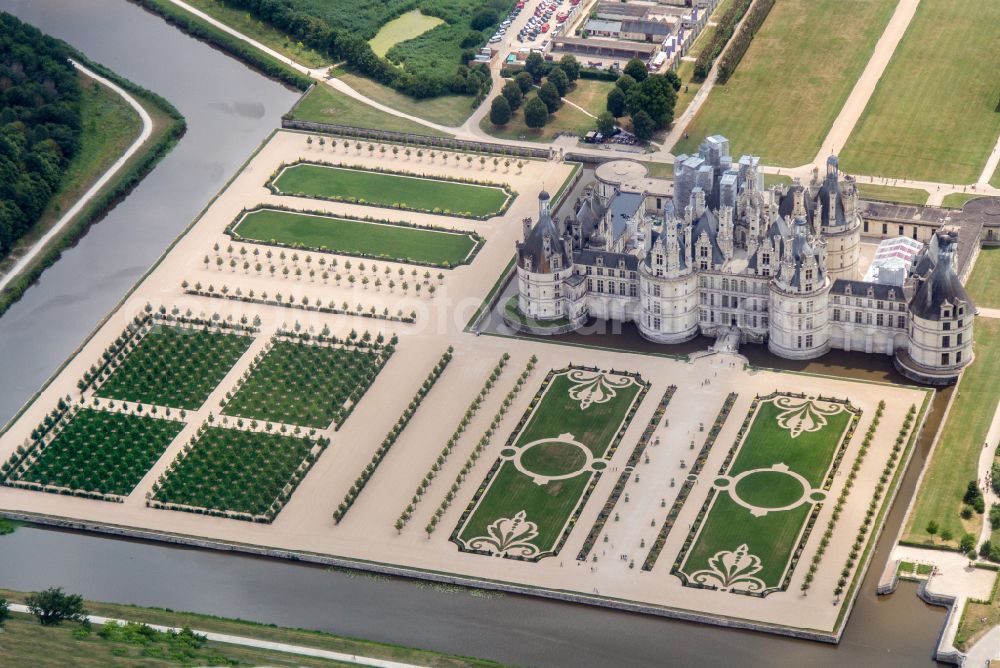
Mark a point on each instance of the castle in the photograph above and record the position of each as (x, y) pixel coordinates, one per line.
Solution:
(725, 257)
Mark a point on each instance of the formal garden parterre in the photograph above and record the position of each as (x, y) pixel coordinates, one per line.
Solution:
(392, 189)
(360, 237)
(533, 494)
(756, 518)
(310, 381)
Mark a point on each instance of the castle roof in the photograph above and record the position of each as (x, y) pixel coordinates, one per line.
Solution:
(534, 245)
(843, 286)
(608, 259)
(941, 286)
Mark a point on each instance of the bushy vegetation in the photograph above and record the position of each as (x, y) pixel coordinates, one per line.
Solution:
(723, 31)
(390, 438)
(733, 55)
(648, 99)
(39, 124)
(431, 64)
(94, 451)
(173, 366)
(309, 384)
(247, 475)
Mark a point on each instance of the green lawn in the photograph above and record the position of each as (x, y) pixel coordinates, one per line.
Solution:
(893, 194)
(984, 282)
(960, 442)
(175, 366)
(235, 470)
(304, 384)
(590, 94)
(957, 200)
(243, 22)
(566, 119)
(449, 110)
(407, 26)
(660, 170)
(690, 87)
(435, 247)
(103, 452)
(793, 80)
(932, 116)
(22, 640)
(391, 190)
(323, 104)
(550, 505)
(773, 536)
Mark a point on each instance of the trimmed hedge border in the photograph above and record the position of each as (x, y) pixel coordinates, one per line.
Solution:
(739, 45)
(511, 194)
(352, 342)
(202, 30)
(816, 507)
(390, 438)
(407, 513)
(332, 310)
(640, 447)
(723, 32)
(235, 236)
(485, 440)
(688, 485)
(279, 502)
(595, 478)
(102, 204)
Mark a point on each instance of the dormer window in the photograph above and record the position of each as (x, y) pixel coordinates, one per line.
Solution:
(892, 294)
(946, 313)
(847, 290)
(600, 261)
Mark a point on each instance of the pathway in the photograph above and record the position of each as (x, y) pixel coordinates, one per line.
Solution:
(147, 130)
(985, 650)
(254, 642)
(986, 457)
(865, 85)
(991, 166)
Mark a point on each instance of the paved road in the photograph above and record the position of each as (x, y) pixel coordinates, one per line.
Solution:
(147, 129)
(256, 643)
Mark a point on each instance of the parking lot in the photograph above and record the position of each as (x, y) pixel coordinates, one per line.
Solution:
(531, 24)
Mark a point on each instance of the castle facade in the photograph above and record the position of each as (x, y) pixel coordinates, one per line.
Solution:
(723, 256)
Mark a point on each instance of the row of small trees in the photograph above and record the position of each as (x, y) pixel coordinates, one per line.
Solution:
(407, 151)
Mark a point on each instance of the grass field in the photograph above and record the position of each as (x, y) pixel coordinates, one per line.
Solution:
(103, 452)
(304, 384)
(243, 22)
(551, 504)
(591, 95)
(400, 29)
(956, 455)
(977, 618)
(391, 190)
(893, 194)
(984, 282)
(566, 119)
(175, 366)
(23, 638)
(957, 200)
(323, 104)
(234, 470)
(933, 118)
(772, 536)
(660, 170)
(358, 237)
(690, 87)
(449, 110)
(786, 91)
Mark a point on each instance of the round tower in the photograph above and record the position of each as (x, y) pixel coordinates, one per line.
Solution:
(799, 294)
(838, 221)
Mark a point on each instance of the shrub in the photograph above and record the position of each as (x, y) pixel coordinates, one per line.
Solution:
(968, 543)
(53, 606)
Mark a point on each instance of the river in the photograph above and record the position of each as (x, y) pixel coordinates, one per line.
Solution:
(229, 110)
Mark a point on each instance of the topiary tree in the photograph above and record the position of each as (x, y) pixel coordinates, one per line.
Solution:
(535, 114)
(500, 110)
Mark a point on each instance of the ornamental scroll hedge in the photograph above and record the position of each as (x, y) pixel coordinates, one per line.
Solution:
(390, 438)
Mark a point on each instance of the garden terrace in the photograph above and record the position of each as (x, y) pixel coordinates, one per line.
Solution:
(531, 497)
(171, 365)
(764, 501)
(97, 453)
(240, 474)
(396, 190)
(380, 240)
(308, 384)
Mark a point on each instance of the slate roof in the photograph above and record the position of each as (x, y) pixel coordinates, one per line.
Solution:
(860, 289)
(623, 206)
(534, 245)
(589, 257)
(941, 285)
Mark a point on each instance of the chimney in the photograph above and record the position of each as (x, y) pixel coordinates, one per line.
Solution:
(526, 227)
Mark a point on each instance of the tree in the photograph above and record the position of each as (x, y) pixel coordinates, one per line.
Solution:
(54, 605)
(483, 19)
(656, 97)
(571, 66)
(512, 91)
(535, 113)
(605, 123)
(500, 111)
(616, 102)
(932, 527)
(535, 65)
(560, 80)
(636, 69)
(549, 95)
(524, 82)
(643, 125)
(673, 80)
(625, 82)
(4, 611)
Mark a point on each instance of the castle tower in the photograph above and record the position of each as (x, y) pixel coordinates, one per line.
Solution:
(799, 327)
(839, 222)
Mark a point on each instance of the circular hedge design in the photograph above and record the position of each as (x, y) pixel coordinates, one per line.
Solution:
(769, 489)
(553, 458)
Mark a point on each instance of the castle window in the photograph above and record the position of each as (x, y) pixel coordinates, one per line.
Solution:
(959, 324)
(866, 226)
(809, 323)
(600, 261)
(857, 317)
(703, 316)
(809, 340)
(885, 229)
(621, 289)
(798, 342)
(743, 286)
(946, 326)
(725, 283)
(600, 286)
(946, 341)
(945, 359)
(656, 323)
(704, 265)
(901, 232)
(879, 319)
(809, 274)
(621, 273)
(725, 301)
(600, 271)
(868, 318)
(658, 258)
(631, 290)
(958, 357)
(960, 311)
(809, 307)
(900, 322)
(590, 283)
(656, 290)
(656, 308)
(704, 298)
(880, 305)
(892, 294)
(589, 270)
(836, 315)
